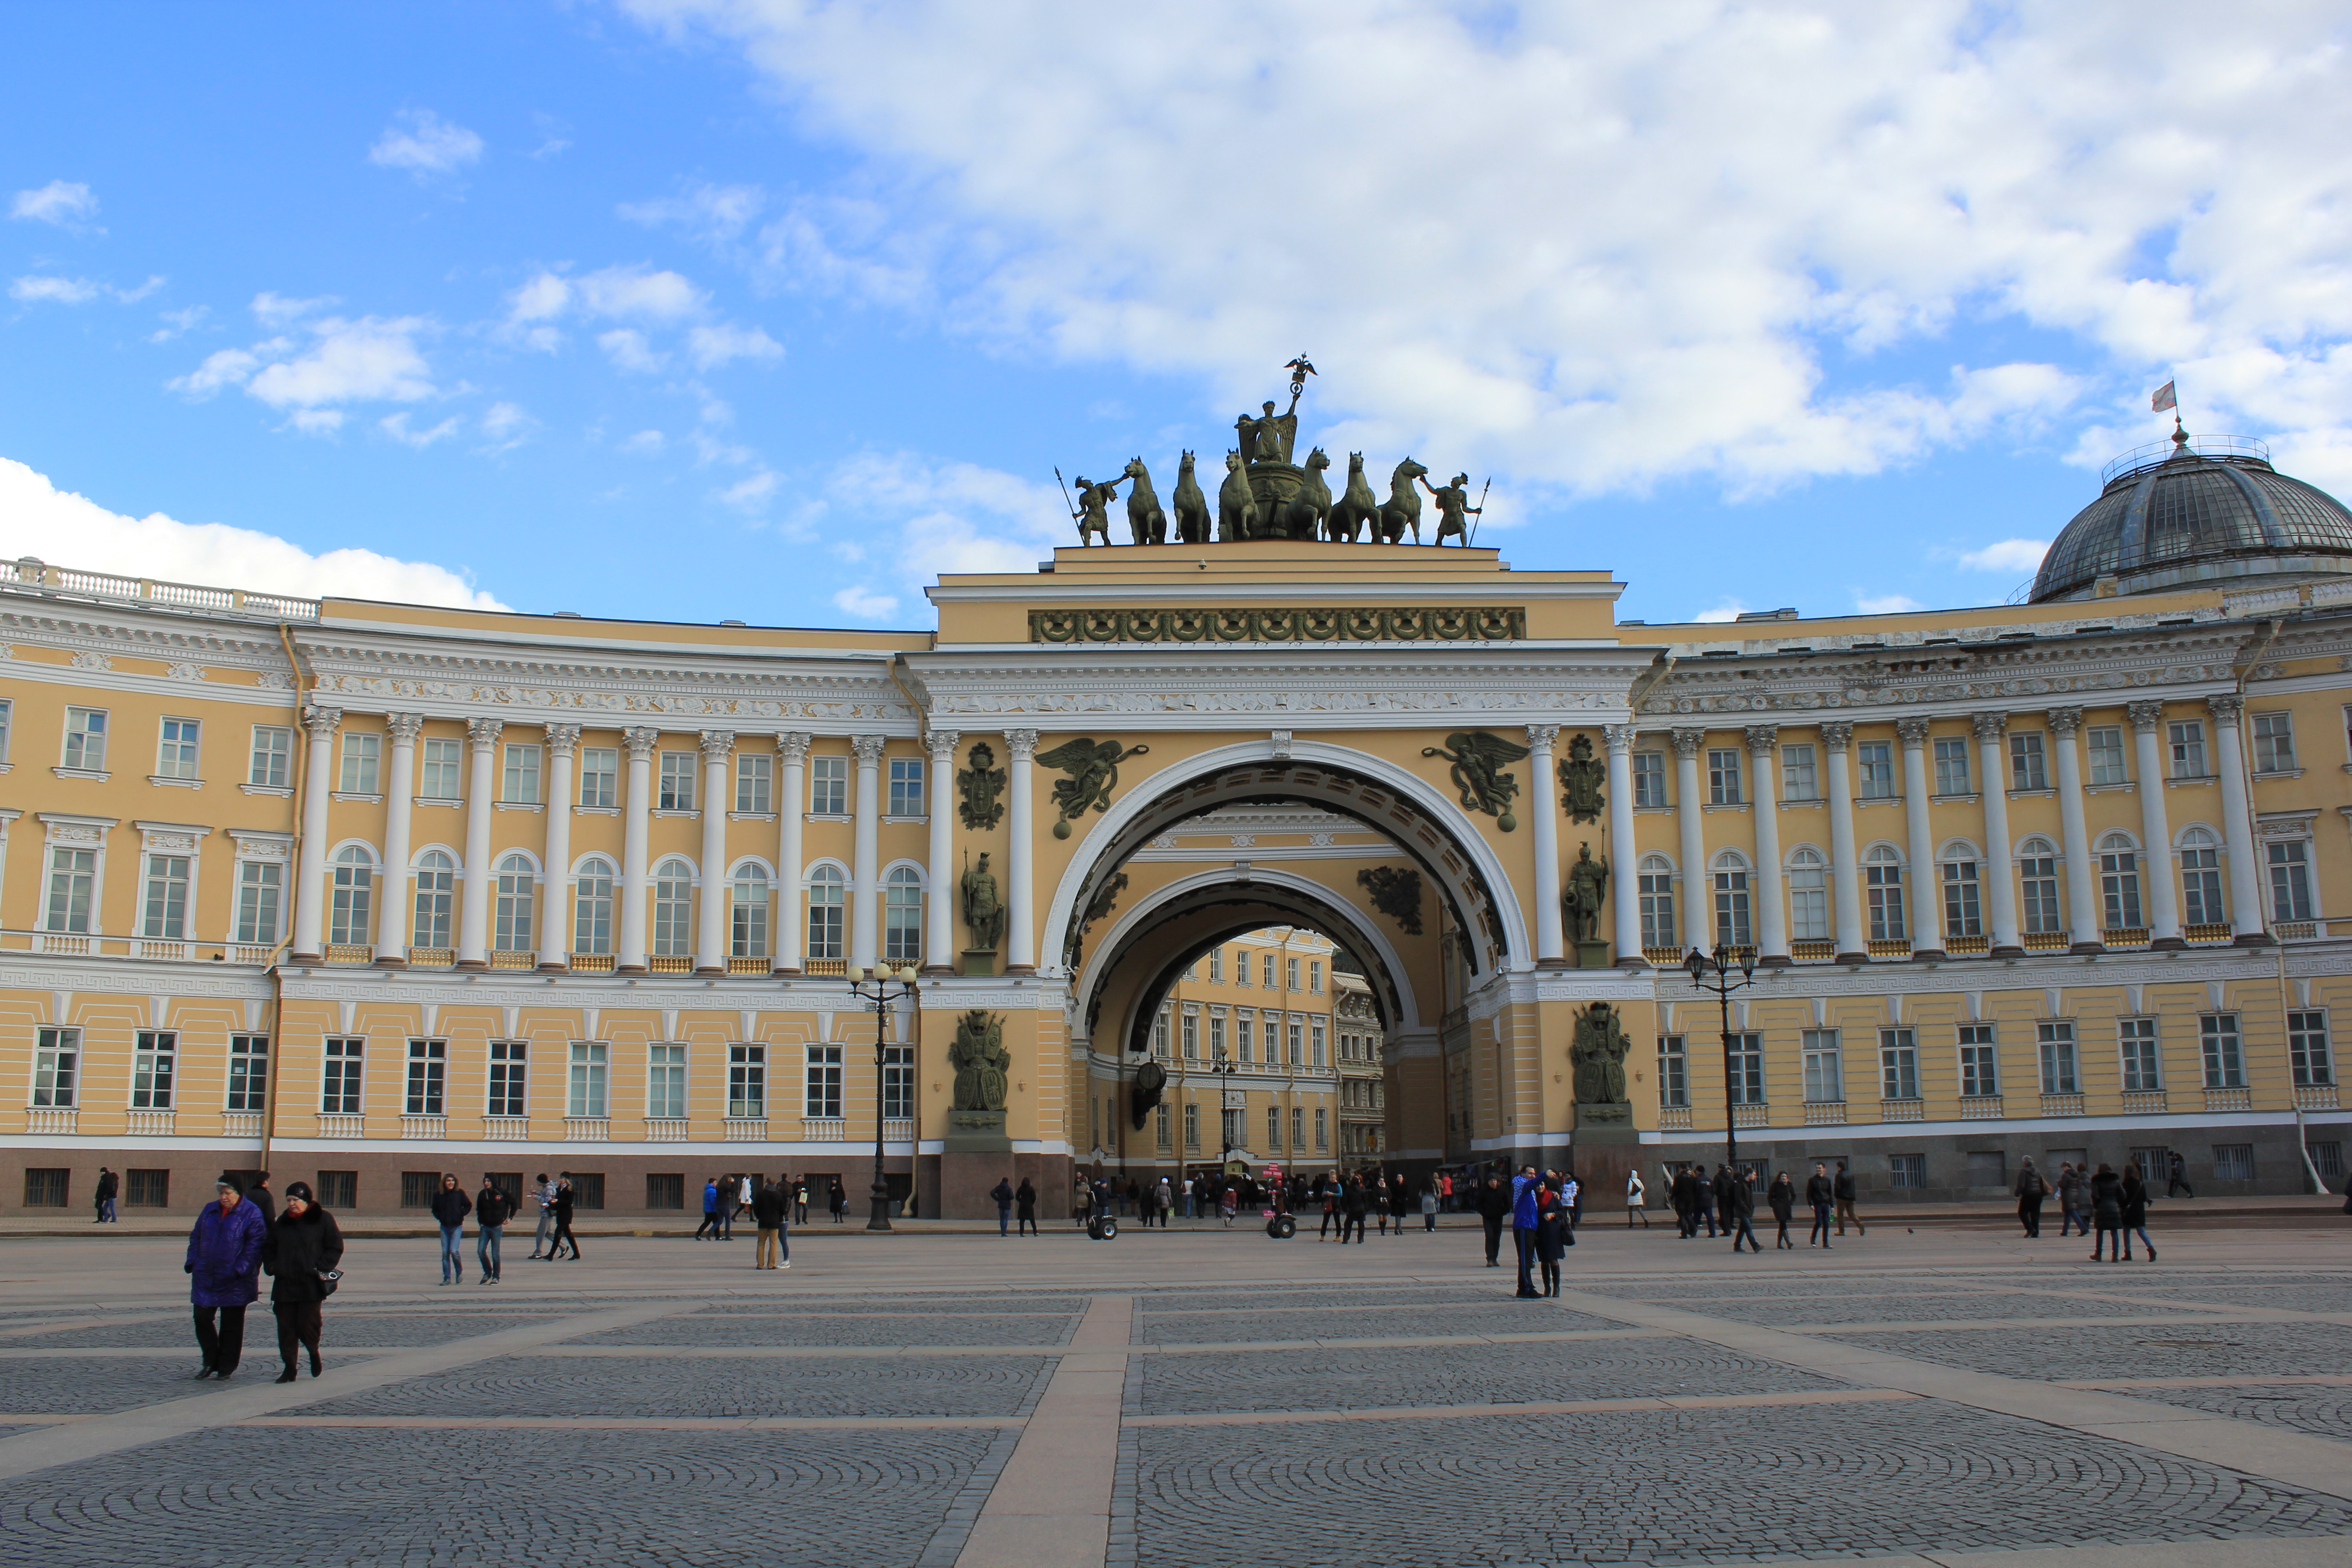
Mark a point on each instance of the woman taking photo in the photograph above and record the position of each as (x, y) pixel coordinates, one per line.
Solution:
(301, 1252)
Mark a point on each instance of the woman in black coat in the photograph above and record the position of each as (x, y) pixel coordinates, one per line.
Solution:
(301, 1252)
(1551, 1237)
(1782, 1196)
(1024, 1214)
(2134, 1215)
(2107, 1214)
(561, 1207)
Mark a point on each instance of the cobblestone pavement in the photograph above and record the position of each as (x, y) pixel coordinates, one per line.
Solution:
(919, 1401)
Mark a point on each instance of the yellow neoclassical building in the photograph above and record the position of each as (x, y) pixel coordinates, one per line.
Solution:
(365, 891)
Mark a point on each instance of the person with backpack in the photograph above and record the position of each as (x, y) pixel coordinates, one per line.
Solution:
(491, 1212)
(450, 1207)
(2031, 1192)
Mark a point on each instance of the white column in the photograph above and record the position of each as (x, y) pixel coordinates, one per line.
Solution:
(481, 789)
(399, 782)
(1771, 914)
(710, 944)
(1993, 763)
(1845, 867)
(2238, 822)
(1927, 898)
(2160, 904)
(2081, 871)
(555, 899)
(865, 855)
(791, 805)
(1624, 860)
(1551, 942)
(641, 744)
(939, 875)
(1698, 892)
(1020, 918)
(318, 784)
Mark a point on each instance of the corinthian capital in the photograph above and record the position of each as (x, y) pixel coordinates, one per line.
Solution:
(1762, 737)
(1988, 726)
(941, 745)
(1914, 732)
(484, 732)
(1543, 737)
(1687, 741)
(718, 745)
(792, 745)
(867, 749)
(321, 722)
(1021, 744)
(562, 739)
(1617, 738)
(2225, 709)
(2064, 721)
(1837, 737)
(403, 728)
(2144, 716)
(642, 742)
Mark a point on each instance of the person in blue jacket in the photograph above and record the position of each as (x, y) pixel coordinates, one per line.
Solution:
(1526, 1194)
(224, 1269)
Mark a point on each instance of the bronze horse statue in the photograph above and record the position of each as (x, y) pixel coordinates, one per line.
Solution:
(1303, 515)
(1192, 507)
(1237, 515)
(1349, 515)
(1403, 508)
(1144, 518)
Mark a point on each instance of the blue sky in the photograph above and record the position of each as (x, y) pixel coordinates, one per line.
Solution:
(698, 308)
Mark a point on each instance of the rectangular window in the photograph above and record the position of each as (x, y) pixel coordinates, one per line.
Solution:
(586, 1094)
(147, 1189)
(1875, 761)
(588, 1189)
(2327, 1159)
(2290, 881)
(1745, 1070)
(2306, 1048)
(747, 1082)
(2105, 744)
(1274, 1127)
(86, 739)
(1898, 1064)
(56, 1067)
(272, 763)
(1191, 1126)
(677, 771)
(1160, 1124)
(666, 1082)
(1160, 1034)
(1290, 974)
(2038, 880)
(1657, 894)
(1298, 1126)
(1192, 1035)
(248, 1072)
(1242, 1029)
(1270, 971)
(1963, 910)
(8, 715)
(2119, 887)
(417, 1187)
(599, 777)
(1322, 1129)
(167, 897)
(2233, 1162)
(1216, 966)
(258, 885)
(73, 881)
(1980, 1064)
(175, 749)
(521, 781)
(1799, 777)
(2225, 1066)
(44, 1187)
(1907, 1170)
(2056, 1038)
(1674, 1079)
(339, 1190)
(2028, 769)
(339, 1082)
(428, 1067)
(905, 787)
(2200, 880)
(1315, 977)
(1732, 927)
(755, 774)
(1824, 1074)
(1883, 881)
(1952, 767)
(1723, 777)
(828, 786)
(2273, 743)
(821, 1097)
(444, 775)
(897, 1083)
(2188, 750)
(1292, 1036)
(362, 761)
(1217, 1033)
(665, 1190)
(510, 1079)
(1315, 1046)
(1240, 966)
(2143, 1068)
(1649, 778)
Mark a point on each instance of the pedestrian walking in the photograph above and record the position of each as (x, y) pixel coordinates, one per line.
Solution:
(256, 1192)
(1571, 1198)
(1166, 1202)
(1683, 1195)
(543, 1191)
(2133, 1205)
(771, 1250)
(1230, 1200)
(2031, 1192)
(1493, 1208)
(1003, 1193)
(1024, 1202)
(450, 1207)
(223, 1267)
(1353, 1201)
(1637, 1200)
(2071, 1217)
(727, 1187)
(492, 1209)
(1526, 1209)
(1739, 1214)
(2177, 1169)
(1082, 1200)
(1428, 1206)
(838, 1201)
(1380, 1207)
(1818, 1193)
(1552, 1238)
(303, 1252)
(2107, 1214)
(1706, 1188)
(561, 1205)
(1783, 1196)
(709, 1225)
(108, 1185)
(1841, 1188)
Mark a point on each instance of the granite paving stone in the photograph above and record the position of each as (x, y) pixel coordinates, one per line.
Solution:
(726, 1328)
(2190, 1347)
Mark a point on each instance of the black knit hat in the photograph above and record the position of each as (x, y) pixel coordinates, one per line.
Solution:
(299, 1190)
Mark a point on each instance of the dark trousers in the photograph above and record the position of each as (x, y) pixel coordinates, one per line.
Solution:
(1351, 1222)
(1747, 1233)
(224, 1346)
(1524, 1240)
(1494, 1236)
(2071, 1219)
(2179, 1184)
(1687, 1221)
(2028, 1215)
(1706, 1216)
(709, 1225)
(562, 1234)
(1329, 1217)
(1821, 1226)
(1551, 1269)
(1782, 1239)
(2099, 1244)
(1027, 1225)
(1003, 1219)
(298, 1323)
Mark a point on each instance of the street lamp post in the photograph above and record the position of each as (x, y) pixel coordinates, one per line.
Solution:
(1222, 1069)
(1719, 965)
(881, 995)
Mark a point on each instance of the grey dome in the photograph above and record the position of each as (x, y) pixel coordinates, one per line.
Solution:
(2213, 507)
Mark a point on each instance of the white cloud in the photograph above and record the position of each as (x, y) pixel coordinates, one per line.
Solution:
(638, 291)
(866, 604)
(222, 367)
(336, 361)
(423, 142)
(1641, 242)
(2009, 555)
(751, 492)
(53, 290)
(627, 349)
(645, 443)
(396, 426)
(68, 205)
(1730, 610)
(277, 310)
(177, 323)
(506, 425)
(1885, 604)
(37, 518)
(714, 346)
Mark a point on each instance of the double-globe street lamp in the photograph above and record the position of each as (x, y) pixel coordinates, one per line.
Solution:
(1712, 971)
(877, 986)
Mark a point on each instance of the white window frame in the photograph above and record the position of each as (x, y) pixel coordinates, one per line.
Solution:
(2029, 763)
(821, 1086)
(361, 772)
(1979, 1051)
(507, 1091)
(904, 798)
(82, 749)
(674, 782)
(2139, 1048)
(179, 747)
(667, 1082)
(2060, 1063)
(56, 1068)
(600, 778)
(1951, 759)
(441, 763)
(1801, 777)
(155, 1068)
(588, 1083)
(1824, 1067)
(2107, 754)
(828, 785)
(1899, 1063)
(342, 1075)
(755, 783)
(519, 773)
(2273, 737)
(269, 762)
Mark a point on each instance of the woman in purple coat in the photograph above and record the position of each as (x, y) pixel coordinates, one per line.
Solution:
(224, 1275)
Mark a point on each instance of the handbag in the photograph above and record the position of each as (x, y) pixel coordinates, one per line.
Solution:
(328, 1281)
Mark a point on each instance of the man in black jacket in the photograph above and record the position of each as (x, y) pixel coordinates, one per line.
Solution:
(1493, 1208)
(1818, 1193)
(450, 1207)
(768, 1213)
(1842, 1186)
(491, 1212)
(1683, 1194)
(108, 1185)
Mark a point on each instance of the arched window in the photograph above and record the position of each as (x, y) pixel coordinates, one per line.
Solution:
(512, 926)
(748, 913)
(1809, 896)
(2201, 877)
(673, 908)
(436, 885)
(2119, 881)
(2037, 878)
(350, 917)
(1963, 905)
(1732, 925)
(902, 916)
(1656, 879)
(1882, 877)
(825, 901)
(592, 907)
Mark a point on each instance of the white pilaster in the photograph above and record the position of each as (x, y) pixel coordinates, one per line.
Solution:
(2160, 904)
(2075, 838)
(399, 782)
(641, 744)
(1019, 914)
(1624, 860)
(1699, 890)
(2237, 819)
(1771, 917)
(866, 857)
(481, 790)
(791, 805)
(555, 902)
(711, 946)
(318, 784)
(1551, 943)
(1845, 867)
(939, 874)
(1926, 897)
(1993, 762)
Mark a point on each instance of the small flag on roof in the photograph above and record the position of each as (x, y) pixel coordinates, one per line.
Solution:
(2163, 399)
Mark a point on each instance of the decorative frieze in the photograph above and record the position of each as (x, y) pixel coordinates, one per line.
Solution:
(1485, 624)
